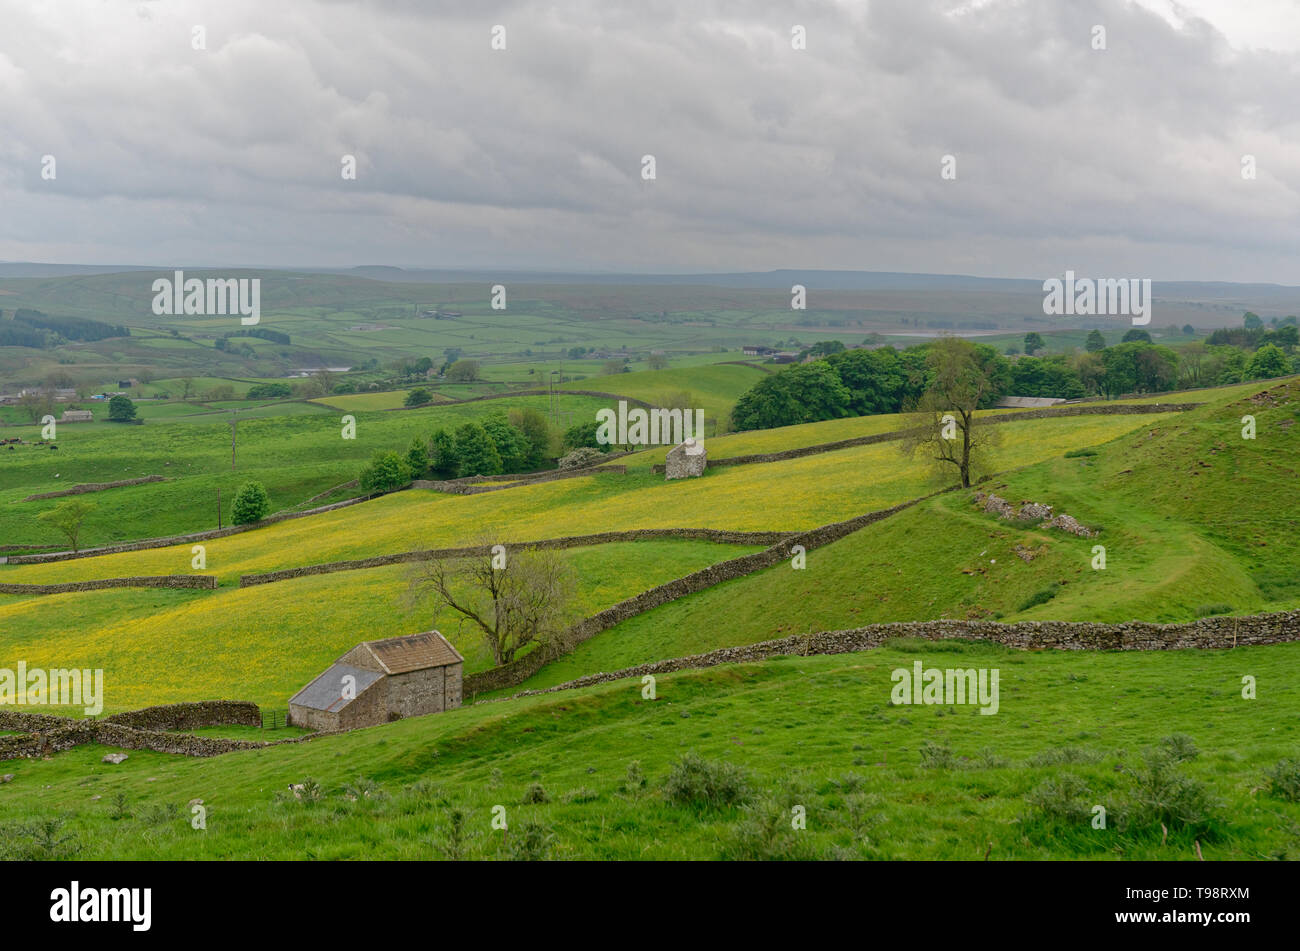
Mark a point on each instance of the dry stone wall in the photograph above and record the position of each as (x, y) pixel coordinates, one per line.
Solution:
(145, 581)
(44, 734)
(94, 487)
(464, 486)
(190, 716)
(568, 541)
(1215, 633)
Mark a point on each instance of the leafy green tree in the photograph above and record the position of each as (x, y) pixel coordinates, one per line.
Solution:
(418, 397)
(477, 453)
(823, 348)
(1269, 361)
(657, 361)
(943, 426)
(1233, 366)
(803, 393)
(443, 461)
(121, 409)
(583, 434)
(1034, 343)
(68, 516)
(1137, 335)
(464, 371)
(1095, 342)
(387, 471)
(1251, 321)
(1189, 330)
(876, 379)
(417, 457)
(251, 504)
(510, 443)
(534, 427)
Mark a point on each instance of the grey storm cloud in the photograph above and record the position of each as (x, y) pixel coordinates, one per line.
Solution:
(1122, 161)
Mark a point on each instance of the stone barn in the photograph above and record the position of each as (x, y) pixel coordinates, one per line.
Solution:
(686, 460)
(381, 681)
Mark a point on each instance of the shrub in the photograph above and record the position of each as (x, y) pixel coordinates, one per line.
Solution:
(535, 794)
(252, 504)
(363, 788)
(764, 834)
(1179, 747)
(1061, 799)
(706, 784)
(1284, 780)
(581, 794)
(418, 397)
(937, 756)
(41, 840)
(1162, 794)
(120, 409)
(1213, 610)
(457, 845)
(634, 784)
(1079, 453)
(529, 841)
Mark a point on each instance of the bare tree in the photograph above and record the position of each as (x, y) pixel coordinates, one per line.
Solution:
(942, 424)
(514, 596)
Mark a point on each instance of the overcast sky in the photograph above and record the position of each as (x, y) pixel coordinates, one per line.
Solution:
(1118, 162)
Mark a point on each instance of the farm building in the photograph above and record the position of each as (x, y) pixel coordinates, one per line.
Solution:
(380, 681)
(1029, 402)
(77, 416)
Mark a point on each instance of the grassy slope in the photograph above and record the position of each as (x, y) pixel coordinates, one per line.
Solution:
(814, 731)
(1175, 550)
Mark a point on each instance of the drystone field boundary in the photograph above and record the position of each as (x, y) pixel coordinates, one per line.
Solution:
(94, 487)
(1214, 633)
(567, 541)
(43, 734)
(207, 582)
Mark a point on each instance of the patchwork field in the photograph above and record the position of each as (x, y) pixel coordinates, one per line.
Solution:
(1195, 521)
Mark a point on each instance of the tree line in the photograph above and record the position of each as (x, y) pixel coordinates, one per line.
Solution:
(518, 441)
(840, 382)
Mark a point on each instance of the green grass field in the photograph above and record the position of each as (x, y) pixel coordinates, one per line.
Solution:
(876, 781)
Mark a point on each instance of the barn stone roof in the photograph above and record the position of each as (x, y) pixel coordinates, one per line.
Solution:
(326, 691)
(400, 655)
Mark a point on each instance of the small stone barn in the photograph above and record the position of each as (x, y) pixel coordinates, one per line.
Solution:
(686, 460)
(390, 679)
